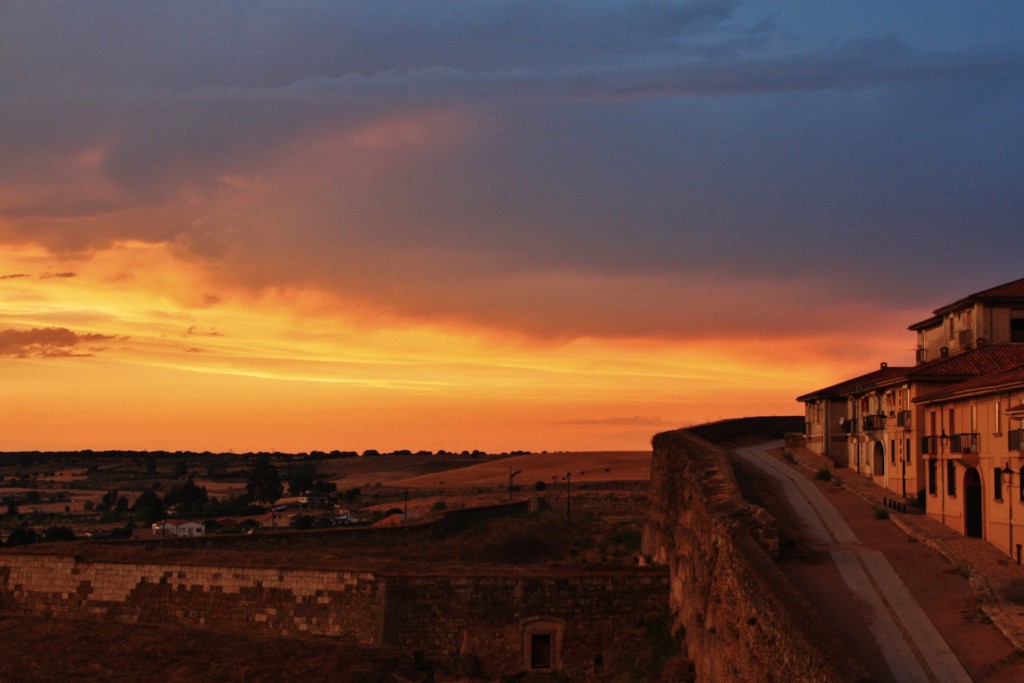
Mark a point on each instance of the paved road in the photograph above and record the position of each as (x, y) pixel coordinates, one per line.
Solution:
(912, 647)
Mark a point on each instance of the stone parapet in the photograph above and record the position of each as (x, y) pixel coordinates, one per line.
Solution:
(743, 620)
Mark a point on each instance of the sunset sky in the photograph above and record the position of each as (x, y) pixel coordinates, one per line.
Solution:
(453, 224)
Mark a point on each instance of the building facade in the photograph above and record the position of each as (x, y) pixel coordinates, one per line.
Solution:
(936, 433)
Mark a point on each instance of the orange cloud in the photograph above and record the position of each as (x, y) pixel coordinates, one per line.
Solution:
(303, 367)
(46, 342)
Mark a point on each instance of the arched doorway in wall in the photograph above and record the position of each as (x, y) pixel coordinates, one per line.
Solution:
(878, 461)
(973, 525)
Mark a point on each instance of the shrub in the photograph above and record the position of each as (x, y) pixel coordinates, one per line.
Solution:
(59, 533)
(302, 522)
(823, 474)
(438, 506)
(881, 513)
(21, 536)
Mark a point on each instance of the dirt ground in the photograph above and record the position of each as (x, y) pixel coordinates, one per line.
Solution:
(943, 593)
(585, 467)
(45, 650)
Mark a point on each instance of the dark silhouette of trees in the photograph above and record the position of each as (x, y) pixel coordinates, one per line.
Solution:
(148, 506)
(58, 533)
(302, 478)
(21, 535)
(188, 498)
(264, 484)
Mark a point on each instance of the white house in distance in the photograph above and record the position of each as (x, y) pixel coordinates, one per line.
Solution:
(179, 527)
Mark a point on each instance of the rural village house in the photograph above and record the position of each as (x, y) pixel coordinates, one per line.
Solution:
(948, 430)
(179, 527)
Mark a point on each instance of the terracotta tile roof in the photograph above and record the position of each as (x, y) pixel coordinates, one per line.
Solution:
(924, 324)
(984, 360)
(851, 385)
(979, 385)
(1003, 292)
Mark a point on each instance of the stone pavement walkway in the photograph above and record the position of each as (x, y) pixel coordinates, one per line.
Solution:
(912, 647)
(996, 578)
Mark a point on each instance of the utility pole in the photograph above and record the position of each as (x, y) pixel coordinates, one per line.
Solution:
(568, 495)
(511, 476)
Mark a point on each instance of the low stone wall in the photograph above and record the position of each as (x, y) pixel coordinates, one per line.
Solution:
(340, 604)
(596, 621)
(743, 620)
(604, 505)
(480, 624)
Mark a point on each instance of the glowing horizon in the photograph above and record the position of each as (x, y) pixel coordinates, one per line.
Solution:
(155, 367)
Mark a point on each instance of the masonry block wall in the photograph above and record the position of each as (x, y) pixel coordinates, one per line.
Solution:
(340, 604)
(480, 623)
(596, 619)
(743, 620)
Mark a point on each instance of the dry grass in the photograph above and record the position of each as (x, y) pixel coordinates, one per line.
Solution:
(598, 466)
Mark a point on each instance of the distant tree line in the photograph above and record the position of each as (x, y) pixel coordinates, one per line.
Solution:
(150, 458)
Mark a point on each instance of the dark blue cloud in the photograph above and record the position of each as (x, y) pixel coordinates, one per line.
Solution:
(856, 145)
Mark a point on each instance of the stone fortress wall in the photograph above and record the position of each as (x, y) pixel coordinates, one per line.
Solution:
(743, 620)
(477, 623)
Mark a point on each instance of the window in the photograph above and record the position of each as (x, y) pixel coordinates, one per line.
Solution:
(998, 483)
(892, 451)
(542, 643)
(951, 477)
(1017, 330)
(540, 651)
(933, 486)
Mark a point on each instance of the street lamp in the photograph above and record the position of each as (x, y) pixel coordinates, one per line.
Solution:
(1008, 475)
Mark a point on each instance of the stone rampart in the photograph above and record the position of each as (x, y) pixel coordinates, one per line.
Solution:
(742, 618)
(340, 604)
(479, 624)
(595, 620)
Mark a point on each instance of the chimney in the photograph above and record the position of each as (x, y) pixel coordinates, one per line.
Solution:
(884, 365)
(944, 352)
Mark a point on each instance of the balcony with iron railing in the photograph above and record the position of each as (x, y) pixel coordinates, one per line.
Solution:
(874, 422)
(903, 419)
(963, 443)
(848, 426)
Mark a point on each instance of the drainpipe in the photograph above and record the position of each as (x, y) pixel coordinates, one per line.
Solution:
(942, 468)
(1009, 501)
